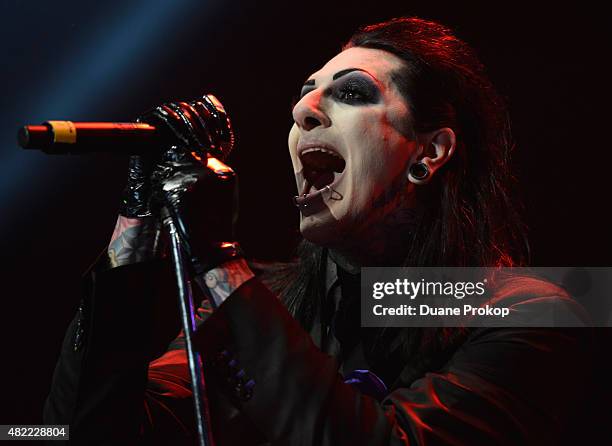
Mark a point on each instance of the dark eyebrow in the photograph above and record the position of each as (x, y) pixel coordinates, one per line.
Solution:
(311, 82)
(347, 71)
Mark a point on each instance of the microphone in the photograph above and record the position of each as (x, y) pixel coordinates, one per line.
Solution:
(59, 137)
(205, 116)
(132, 138)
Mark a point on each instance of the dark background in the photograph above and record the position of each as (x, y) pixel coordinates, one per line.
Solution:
(91, 60)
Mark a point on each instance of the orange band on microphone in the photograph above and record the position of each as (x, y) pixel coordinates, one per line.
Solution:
(63, 131)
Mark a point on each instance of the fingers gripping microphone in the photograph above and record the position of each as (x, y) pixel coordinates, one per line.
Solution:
(66, 137)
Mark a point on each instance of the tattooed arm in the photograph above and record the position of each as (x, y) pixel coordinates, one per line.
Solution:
(226, 278)
(134, 240)
(137, 240)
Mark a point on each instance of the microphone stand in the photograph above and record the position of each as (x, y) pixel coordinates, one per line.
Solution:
(180, 248)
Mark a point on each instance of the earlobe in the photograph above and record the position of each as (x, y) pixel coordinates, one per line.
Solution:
(437, 148)
(418, 173)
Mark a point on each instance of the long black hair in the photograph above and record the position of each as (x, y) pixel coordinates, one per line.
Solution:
(466, 215)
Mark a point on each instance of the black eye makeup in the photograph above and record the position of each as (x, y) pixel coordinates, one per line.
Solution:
(355, 89)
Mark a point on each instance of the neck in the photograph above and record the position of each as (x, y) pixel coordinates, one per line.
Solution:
(383, 244)
(384, 237)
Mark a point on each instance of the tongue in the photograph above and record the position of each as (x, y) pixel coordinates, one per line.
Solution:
(322, 178)
(319, 168)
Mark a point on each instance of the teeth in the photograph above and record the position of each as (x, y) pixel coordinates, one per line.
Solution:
(322, 149)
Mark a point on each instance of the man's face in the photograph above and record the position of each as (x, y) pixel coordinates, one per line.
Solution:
(351, 146)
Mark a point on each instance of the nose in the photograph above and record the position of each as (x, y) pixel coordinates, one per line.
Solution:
(309, 114)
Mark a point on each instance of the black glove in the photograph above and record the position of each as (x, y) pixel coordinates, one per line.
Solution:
(202, 198)
(200, 126)
(204, 205)
(136, 200)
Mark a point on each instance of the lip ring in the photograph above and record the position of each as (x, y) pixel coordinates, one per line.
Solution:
(303, 200)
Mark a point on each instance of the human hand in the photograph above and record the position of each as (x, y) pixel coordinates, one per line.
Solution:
(183, 177)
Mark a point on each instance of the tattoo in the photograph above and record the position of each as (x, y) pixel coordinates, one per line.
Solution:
(134, 240)
(225, 279)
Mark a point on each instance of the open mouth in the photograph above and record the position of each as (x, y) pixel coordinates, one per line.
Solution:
(322, 166)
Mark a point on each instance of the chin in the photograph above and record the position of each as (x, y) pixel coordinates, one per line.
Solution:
(321, 230)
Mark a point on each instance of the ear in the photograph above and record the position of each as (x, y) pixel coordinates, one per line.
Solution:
(435, 149)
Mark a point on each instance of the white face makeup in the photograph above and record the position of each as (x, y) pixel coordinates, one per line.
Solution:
(350, 146)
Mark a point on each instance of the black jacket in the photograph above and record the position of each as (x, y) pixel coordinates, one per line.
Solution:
(269, 382)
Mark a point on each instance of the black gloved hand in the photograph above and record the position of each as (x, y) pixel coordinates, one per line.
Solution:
(200, 126)
(136, 200)
(182, 180)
